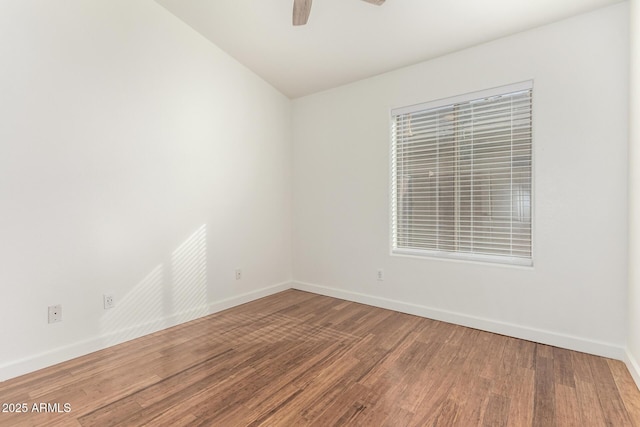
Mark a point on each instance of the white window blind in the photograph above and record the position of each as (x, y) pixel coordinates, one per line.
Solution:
(461, 176)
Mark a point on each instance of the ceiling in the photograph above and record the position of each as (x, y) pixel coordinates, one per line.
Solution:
(348, 40)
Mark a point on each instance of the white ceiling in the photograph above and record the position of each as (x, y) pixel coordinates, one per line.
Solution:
(347, 40)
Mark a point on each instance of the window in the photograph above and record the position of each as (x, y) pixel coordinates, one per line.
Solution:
(461, 177)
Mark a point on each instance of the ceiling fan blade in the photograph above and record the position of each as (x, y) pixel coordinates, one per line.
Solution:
(376, 2)
(301, 10)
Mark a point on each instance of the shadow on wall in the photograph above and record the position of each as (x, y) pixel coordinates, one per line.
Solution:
(168, 295)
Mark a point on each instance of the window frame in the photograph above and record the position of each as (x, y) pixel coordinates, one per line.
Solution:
(501, 260)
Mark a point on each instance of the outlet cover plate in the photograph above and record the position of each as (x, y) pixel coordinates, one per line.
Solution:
(109, 301)
(55, 313)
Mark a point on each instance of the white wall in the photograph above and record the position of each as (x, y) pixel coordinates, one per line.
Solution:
(135, 158)
(576, 294)
(633, 357)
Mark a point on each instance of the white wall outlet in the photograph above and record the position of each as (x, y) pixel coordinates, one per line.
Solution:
(238, 274)
(380, 275)
(55, 313)
(109, 301)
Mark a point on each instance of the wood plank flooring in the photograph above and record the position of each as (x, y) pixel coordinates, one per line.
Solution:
(296, 358)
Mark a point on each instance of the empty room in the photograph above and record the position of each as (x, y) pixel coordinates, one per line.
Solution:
(339, 212)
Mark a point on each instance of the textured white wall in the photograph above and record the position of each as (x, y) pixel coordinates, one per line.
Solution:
(135, 158)
(576, 294)
(634, 195)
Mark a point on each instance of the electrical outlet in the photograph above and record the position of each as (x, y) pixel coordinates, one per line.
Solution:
(109, 301)
(55, 313)
(238, 274)
(380, 275)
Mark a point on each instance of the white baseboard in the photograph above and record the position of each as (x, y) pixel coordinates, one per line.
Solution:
(633, 366)
(530, 334)
(61, 354)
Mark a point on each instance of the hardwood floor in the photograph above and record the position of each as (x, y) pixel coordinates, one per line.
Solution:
(297, 358)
